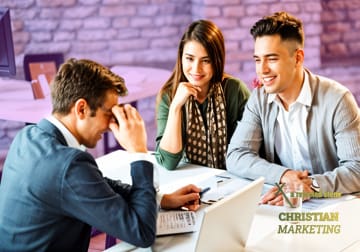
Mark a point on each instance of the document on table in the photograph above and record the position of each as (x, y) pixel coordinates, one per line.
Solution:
(226, 183)
(175, 222)
(317, 203)
(221, 185)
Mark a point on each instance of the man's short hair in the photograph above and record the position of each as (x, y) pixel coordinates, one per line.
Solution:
(287, 26)
(83, 79)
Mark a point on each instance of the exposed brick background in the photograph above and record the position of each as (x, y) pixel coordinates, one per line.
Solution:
(147, 32)
(339, 39)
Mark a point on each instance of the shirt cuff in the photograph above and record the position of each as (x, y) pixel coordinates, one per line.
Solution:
(314, 184)
(137, 156)
(159, 197)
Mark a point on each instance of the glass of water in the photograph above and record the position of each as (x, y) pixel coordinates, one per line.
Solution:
(294, 196)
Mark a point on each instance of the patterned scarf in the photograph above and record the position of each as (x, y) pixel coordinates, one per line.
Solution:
(206, 144)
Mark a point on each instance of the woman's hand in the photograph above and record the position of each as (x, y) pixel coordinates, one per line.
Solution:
(183, 92)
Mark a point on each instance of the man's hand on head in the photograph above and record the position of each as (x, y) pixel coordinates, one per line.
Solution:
(128, 128)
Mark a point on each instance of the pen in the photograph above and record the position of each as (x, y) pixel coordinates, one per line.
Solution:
(222, 176)
(204, 191)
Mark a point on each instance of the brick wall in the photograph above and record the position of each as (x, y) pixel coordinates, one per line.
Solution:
(146, 32)
(339, 39)
(112, 32)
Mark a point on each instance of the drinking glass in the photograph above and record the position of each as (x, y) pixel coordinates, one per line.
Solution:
(294, 193)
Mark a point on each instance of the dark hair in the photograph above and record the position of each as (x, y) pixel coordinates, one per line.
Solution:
(83, 79)
(211, 38)
(281, 23)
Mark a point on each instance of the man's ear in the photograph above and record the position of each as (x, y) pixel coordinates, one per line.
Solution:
(81, 108)
(299, 56)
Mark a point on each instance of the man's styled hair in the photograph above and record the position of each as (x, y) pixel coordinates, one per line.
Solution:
(83, 79)
(280, 23)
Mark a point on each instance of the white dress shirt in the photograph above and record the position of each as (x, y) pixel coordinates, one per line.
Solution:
(69, 137)
(291, 143)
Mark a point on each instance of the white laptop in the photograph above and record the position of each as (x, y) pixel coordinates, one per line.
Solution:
(226, 224)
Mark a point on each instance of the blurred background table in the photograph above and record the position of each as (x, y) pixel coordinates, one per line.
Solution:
(17, 102)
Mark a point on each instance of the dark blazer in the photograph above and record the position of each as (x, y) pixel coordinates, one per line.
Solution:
(51, 194)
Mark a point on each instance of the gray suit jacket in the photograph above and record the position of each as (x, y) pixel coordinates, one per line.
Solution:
(333, 133)
(50, 195)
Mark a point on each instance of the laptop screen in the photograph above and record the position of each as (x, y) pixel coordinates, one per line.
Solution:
(226, 224)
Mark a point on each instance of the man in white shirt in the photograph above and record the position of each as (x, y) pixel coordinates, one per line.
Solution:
(297, 126)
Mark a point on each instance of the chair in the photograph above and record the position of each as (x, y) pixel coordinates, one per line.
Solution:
(109, 240)
(40, 69)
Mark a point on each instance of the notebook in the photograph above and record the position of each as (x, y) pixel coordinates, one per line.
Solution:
(175, 222)
(226, 224)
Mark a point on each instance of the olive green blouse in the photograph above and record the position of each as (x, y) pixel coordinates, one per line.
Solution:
(236, 95)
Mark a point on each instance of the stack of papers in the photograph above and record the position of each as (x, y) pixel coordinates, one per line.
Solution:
(175, 222)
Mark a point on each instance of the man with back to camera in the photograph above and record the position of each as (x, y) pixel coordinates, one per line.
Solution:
(297, 126)
(52, 191)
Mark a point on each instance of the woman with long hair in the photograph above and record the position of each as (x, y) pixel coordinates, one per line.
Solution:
(199, 105)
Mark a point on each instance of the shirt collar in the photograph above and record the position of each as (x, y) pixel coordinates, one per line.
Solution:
(304, 96)
(305, 93)
(271, 98)
(69, 138)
